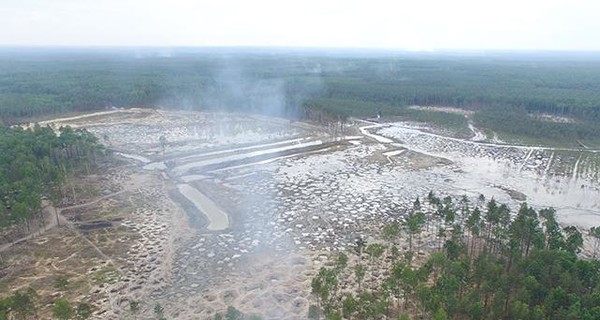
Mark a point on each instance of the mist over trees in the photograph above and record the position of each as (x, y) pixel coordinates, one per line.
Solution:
(502, 90)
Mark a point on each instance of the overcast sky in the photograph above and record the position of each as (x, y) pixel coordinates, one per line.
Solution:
(399, 24)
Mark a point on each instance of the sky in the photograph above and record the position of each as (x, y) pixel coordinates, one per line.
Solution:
(419, 25)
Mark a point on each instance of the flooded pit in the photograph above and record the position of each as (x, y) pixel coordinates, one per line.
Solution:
(217, 218)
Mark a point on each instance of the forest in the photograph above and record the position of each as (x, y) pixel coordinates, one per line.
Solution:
(483, 262)
(505, 91)
(37, 164)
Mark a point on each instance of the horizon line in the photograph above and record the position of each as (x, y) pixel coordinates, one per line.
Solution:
(276, 47)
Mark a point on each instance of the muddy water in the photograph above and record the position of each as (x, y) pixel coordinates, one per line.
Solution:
(576, 199)
(574, 204)
(217, 218)
(490, 168)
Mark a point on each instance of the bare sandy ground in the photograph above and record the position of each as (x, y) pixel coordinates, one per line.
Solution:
(286, 214)
(443, 109)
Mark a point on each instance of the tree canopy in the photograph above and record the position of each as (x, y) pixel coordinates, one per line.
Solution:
(34, 163)
(504, 265)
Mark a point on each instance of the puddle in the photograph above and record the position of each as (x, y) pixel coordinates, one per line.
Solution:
(217, 218)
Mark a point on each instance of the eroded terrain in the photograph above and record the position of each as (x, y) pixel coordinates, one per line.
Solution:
(215, 210)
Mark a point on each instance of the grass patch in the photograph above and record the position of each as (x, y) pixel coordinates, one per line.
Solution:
(111, 214)
(106, 274)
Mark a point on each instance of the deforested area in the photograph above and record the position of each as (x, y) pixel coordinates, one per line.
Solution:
(298, 183)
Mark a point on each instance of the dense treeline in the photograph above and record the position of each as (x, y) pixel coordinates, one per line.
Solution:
(517, 122)
(38, 85)
(505, 94)
(503, 90)
(485, 263)
(36, 163)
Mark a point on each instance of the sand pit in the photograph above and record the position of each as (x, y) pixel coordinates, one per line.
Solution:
(276, 199)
